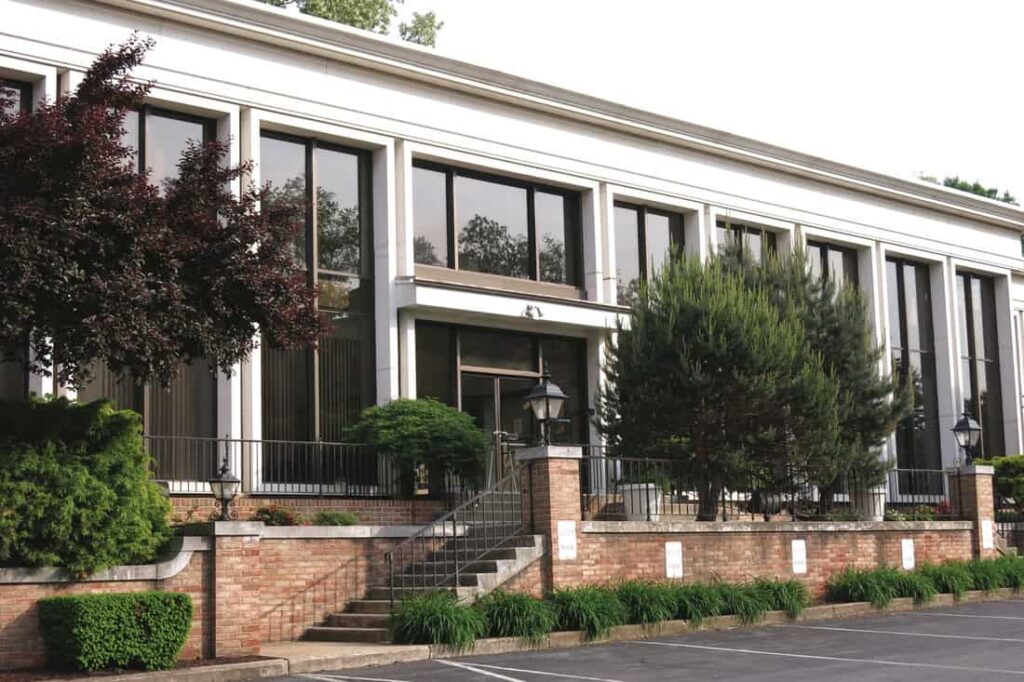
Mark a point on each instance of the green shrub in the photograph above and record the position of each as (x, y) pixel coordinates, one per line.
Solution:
(790, 596)
(102, 631)
(437, 618)
(697, 601)
(426, 432)
(331, 518)
(985, 575)
(647, 602)
(742, 601)
(852, 585)
(913, 585)
(1009, 478)
(948, 578)
(513, 614)
(75, 487)
(1011, 568)
(594, 610)
(277, 516)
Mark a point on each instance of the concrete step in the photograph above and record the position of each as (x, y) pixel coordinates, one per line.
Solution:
(359, 620)
(383, 592)
(449, 555)
(332, 634)
(442, 567)
(370, 606)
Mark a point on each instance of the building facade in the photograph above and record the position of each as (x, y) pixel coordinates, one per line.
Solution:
(470, 228)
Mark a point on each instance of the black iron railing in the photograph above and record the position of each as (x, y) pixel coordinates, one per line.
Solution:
(440, 554)
(275, 467)
(640, 489)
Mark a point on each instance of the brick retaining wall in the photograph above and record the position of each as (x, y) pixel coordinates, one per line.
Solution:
(374, 512)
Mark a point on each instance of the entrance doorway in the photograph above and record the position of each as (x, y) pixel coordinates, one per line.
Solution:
(496, 401)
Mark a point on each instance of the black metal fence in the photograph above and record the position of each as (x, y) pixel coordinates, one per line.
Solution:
(637, 489)
(272, 467)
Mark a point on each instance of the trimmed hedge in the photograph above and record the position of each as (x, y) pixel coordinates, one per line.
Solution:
(103, 631)
(75, 487)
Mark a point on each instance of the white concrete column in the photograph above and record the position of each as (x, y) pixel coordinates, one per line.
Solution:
(407, 353)
(593, 245)
(1009, 384)
(229, 386)
(405, 228)
(695, 237)
(606, 226)
(947, 354)
(385, 246)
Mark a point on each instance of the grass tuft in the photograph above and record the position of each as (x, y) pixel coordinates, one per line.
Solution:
(647, 602)
(437, 618)
(948, 578)
(697, 601)
(594, 610)
(790, 596)
(985, 575)
(743, 601)
(513, 614)
(852, 585)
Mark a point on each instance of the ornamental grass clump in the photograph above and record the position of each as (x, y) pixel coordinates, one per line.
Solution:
(594, 610)
(647, 602)
(913, 585)
(512, 614)
(437, 618)
(852, 585)
(948, 578)
(985, 575)
(697, 601)
(743, 601)
(1011, 568)
(790, 596)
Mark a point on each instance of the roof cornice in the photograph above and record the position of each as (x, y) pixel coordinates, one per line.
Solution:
(264, 23)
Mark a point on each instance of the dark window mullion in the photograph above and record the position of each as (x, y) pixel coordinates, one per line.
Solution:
(531, 232)
(453, 232)
(641, 242)
(313, 275)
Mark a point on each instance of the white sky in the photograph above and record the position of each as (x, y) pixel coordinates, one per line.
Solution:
(903, 87)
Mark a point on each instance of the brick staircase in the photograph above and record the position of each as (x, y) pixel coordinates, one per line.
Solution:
(469, 552)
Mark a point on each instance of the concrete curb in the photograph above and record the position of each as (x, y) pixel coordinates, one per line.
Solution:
(279, 667)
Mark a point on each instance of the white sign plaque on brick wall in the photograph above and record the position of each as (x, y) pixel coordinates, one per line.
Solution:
(566, 540)
(988, 540)
(799, 550)
(673, 560)
(908, 553)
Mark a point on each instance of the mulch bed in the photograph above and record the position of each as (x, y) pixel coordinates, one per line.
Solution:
(37, 674)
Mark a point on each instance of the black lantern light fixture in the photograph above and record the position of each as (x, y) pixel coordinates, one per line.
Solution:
(224, 486)
(968, 435)
(545, 400)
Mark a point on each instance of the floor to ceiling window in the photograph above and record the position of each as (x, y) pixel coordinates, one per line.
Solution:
(912, 337)
(465, 220)
(188, 407)
(17, 97)
(835, 263)
(757, 241)
(315, 394)
(979, 360)
(644, 240)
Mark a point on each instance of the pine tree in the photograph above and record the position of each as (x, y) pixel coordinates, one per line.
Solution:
(709, 372)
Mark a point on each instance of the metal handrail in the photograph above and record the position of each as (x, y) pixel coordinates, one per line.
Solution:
(438, 553)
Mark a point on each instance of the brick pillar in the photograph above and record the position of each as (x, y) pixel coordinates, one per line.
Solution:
(971, 498)
(237, 576)
(552, 479)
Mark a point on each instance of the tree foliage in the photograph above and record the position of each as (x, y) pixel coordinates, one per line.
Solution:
(370, 15)
(710, 372)
(975, 187)
(96, 263)
(836, 324)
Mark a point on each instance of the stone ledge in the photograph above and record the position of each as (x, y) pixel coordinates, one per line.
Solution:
(665, 527)
(184, 547)
(220, 672)
(354, 532)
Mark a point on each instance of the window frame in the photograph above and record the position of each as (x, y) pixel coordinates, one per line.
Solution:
(315, 273)
(24, 89)
(826, 268)
(451, 172)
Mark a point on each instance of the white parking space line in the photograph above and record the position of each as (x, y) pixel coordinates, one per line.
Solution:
(840, 659)
(902, 633)
(333, 677)
(960, 615)
(478, 671)
(544, 673)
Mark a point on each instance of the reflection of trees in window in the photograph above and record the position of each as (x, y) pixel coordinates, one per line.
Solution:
(552, 260)
(485, 245)
(339, 238)
(424, 252)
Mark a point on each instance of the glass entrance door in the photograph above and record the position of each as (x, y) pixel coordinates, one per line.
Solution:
(496, 403)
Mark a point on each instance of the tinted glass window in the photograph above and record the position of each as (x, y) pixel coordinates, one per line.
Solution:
(166, 139)
(283, 165)
(663, 236)
(564, 359)
(493, 227)
(627, 253)
(498, 350)
(979, 360)
(556, 234)
(435, 362)
(430, 216)
(339, 236)
(836, 263)
(17, 96)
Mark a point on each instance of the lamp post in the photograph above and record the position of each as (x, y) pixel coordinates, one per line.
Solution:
(968, 435)
(545, 400)
(224, 486)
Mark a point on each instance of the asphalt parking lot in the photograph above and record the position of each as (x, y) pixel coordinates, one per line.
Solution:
(982, 641)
